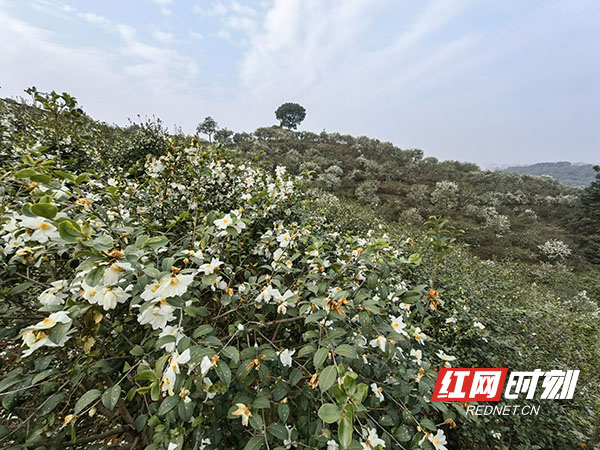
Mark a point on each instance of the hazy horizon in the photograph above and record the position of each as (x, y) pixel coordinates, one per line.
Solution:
(486, 82)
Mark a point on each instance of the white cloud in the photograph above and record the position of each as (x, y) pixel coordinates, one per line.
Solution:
(163, 36)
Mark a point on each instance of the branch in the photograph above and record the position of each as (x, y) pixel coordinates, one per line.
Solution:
(92, 438)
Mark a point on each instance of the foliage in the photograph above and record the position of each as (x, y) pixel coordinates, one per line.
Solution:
(203, 297)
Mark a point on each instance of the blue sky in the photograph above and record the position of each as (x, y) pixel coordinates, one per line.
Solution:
(504, 81)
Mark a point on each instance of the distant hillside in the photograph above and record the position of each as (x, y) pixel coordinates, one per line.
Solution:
(564, 172)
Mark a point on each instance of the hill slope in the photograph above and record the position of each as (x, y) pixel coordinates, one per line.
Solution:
(578, 175)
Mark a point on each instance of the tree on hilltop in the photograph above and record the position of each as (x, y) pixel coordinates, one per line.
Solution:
(290, 115)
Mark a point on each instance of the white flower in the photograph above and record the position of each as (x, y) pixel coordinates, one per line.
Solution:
(417, 354)
(207, 384)
(377, 391)
(267, 293)
(240, 327)
(170, 330)
(284, 302)
(371, 439)
(174, 285)
(209, 268)
(478, 325)
(224, 222)
(110, 296)
(172, 446)
(284, 240)
(113, 273)
(173, 369)
(332, 445)
(91, 294)
(438, 440)
(206, 364)
(41, 230)
(446, 358)
(285, 356)
(157, 315)
(243, 411)
(54, 295)
(420, 336)
(451, 320)
(36, 336)
(379, 341)
(398, 325)
(288, 442)
(53, 319)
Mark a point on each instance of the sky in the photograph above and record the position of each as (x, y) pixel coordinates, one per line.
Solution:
(492, 82)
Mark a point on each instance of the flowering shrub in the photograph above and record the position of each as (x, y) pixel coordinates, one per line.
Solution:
(201, 306)
(555, 250)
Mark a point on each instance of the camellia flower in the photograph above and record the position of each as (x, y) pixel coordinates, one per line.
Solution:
(174, 285)
(110, 296)
(243, 411)
(36, 336)
(157, 315)
(446, 358)
(417, 354)
(54, 295)
(332, 445)
(284, 302)
(39, 229)
(267, 293)
(207, 384)
(398, 325)
(420, 336)
(285, 356)
(173, 369)
(371, 439)
(377, 391)
(170, 330)
(224, 222)
(438, 440)
(288, 442)
(478, 325)
(114, 272)
(208, 363)
(284, 240)
(379, 341)
(209, 268)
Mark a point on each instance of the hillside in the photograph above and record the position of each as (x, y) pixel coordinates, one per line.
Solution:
(277, 289)
(578, 175)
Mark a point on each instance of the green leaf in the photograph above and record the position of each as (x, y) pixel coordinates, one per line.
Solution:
(330, 412)
(283, 410)
(320, 357)
(46, 210)
(167, 405)
(224, 372)
(232, 353)
(202, 330)
(94, 276)
(52, 403)
(427, 423)
(111, 397)
(347, 351)
(25, 173)
(156, 241)
(20, 288)
(278, 430)
(255, 443)
(345, 427)
(59, 331)
(103, 242)
(86, 399)
(327, 377)
(261, 402)
(146, 375)
(137, 351)
(295, 376)
(403, 433)
(185, 411)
